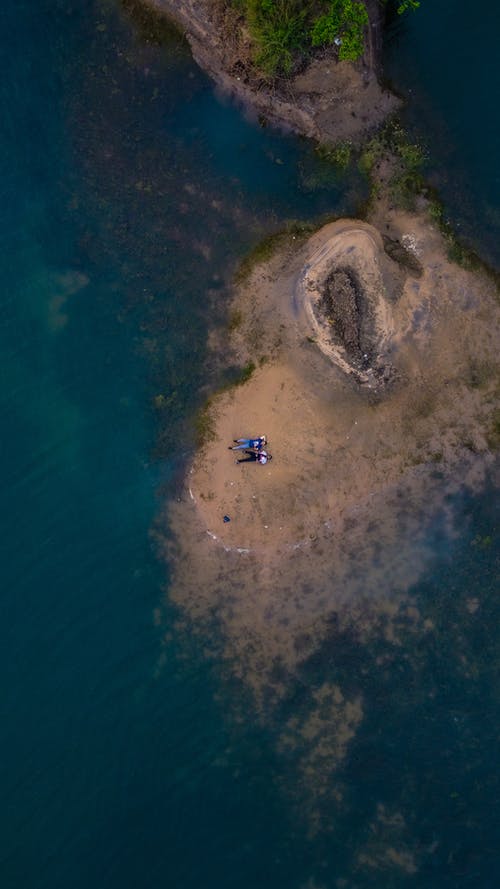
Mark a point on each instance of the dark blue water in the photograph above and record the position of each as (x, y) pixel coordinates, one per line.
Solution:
(443, 60)
(120, 765)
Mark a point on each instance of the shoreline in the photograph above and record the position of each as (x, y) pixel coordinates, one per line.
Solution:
(361, 477)
(376, 432)
(328, 101)
(308, 395)
(364, 426)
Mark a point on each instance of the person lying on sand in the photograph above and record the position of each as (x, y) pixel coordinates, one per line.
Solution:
(256, 456)
(253, 443)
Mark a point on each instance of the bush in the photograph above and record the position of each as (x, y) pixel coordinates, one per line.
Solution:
(278, 30)
(346, 19)
(284, 30)
(407, 4)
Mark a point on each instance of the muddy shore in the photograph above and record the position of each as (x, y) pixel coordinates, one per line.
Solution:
(328, 101)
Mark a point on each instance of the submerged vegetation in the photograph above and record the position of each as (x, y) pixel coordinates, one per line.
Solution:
(338, 154)
(392, 161)
(390, 155)
(205, 424)
(294, 231)
(205, 419)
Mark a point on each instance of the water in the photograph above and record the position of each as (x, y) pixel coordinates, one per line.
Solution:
(128, 190)
(443, 61)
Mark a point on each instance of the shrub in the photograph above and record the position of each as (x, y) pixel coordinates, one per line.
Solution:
(407, 4)
(278, 30)
(346, 19)
(284, 30)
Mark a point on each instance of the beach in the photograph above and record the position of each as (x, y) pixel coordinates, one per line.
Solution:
(363, 461)
(340, 429)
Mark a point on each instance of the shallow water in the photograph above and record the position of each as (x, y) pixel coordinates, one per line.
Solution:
(127, 192)
(444, 63)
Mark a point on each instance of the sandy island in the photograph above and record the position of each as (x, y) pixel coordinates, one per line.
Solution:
(377, 380)
(373, 426)
(350, 407)
(378, 416)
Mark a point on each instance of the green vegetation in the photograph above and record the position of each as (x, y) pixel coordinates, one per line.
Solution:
(401, 162)
(263, 251)
(338, 154)
(205, 424)
(322, 170)
(493, 436)
(345, 21)
(206, 416)
(284, 31)
(457, 252)
(235, 320)
(403, 5)
(278, 29)
(162, 402)
(483, 542)
(407, 181)
(479, 373)
(407, 4)
(260, 253)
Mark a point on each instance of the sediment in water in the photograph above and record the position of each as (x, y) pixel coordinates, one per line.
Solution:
(336, 530)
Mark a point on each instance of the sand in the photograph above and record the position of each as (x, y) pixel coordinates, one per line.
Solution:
(331, 536)
(341, 431)
(380, 413)
(363, 462)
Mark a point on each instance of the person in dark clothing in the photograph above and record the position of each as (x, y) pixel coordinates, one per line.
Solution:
(256, 456)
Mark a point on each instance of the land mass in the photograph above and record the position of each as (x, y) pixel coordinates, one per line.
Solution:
(372, 365)
(325, 99)
(347, 326)
(370, 371)
(378, 418)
